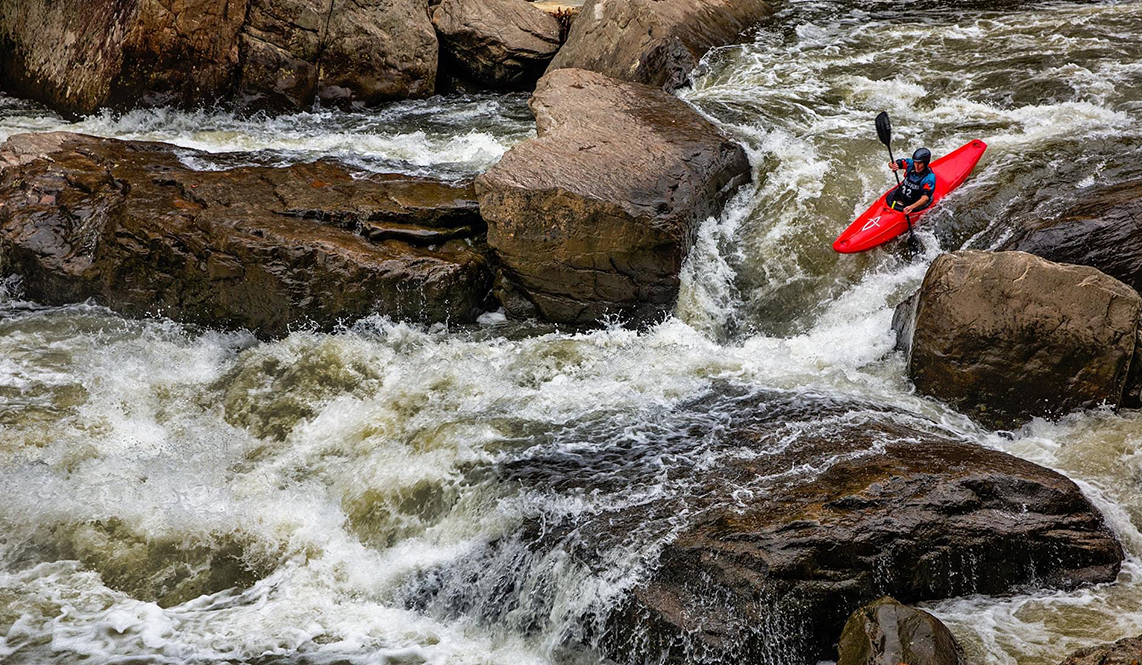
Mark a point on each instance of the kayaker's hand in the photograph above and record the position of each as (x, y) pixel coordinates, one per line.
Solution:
(908, 209)
(894, 166)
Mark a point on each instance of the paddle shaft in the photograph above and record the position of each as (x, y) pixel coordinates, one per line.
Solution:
(895, 173)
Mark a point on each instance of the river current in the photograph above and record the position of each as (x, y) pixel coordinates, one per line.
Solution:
(174, 494)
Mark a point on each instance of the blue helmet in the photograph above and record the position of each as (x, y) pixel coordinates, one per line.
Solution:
(922, 155)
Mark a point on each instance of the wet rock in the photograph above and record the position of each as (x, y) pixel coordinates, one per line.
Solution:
(656, 42)
(595, 216)
(1103, 230)
(347, 52)
(1126, 651)
(78, 56)
(499, 43)
(1006, 336)
(378, 50)
(778, 515)
(125, 223)
(884, 632)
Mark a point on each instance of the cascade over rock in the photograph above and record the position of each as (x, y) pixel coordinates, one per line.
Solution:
(595, 215)
(788, 513)
(498, 43)
(656, 42)
(884, 632)
(78, 56)
(1006, 336)
(265, 248)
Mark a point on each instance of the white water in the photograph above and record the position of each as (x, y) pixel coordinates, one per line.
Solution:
(342, 467)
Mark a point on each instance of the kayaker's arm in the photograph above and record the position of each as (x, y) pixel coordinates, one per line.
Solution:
(919, 204)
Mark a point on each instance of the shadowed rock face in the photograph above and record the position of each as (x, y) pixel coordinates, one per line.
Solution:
(884, 632)
(78, 56)
(1103, 230)
(595, 216)
(779, 516)
(498, 43)
(1006, 336)
(656, 42)
(264, 248)
(1123, 652)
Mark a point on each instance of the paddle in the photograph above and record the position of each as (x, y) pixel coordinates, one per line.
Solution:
(884, 131)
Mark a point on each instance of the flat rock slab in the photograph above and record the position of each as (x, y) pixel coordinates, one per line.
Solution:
(760, 520)
(126, 224)
(1006, 336)
(595, 215)
(656, 42)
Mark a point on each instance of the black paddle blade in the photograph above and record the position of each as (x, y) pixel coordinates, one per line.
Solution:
(884, 128)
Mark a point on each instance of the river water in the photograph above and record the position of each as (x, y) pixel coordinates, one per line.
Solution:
(328, 492)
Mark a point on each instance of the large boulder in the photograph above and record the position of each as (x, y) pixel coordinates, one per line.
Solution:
(498, 43)
(779, 515)
(1127, 651)
(884, 632)
(1102, 230)
(78, 56)
(128, 225)
(1006, 336)
(656, 42)
(595, 215)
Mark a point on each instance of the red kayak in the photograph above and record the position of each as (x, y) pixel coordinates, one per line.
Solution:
(879, 224)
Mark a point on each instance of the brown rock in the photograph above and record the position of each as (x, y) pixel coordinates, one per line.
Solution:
(884, 632)
(1126, 651)
(264, 248)
(499, 43)
(657, 42)
(1006, 336)
(595, 216)
(80, 55)
(378, 50)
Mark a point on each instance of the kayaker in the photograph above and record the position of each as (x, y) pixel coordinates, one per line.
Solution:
(919, 183)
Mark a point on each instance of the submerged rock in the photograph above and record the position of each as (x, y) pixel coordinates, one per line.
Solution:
(265, 248)
(498, 43)
(78, 56)
(1103, 230)
(1126, 651)
(1006, 336)
(746, 527)
(884, 632)
(656, 42)
(595, 216)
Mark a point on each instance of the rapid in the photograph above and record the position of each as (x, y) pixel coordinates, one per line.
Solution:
(176, 494)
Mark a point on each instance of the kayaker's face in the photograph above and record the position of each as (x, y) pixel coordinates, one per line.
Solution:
(919, 166)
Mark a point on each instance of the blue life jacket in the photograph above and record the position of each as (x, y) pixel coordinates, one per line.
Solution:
(914, 185)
